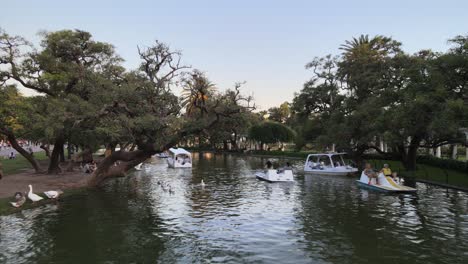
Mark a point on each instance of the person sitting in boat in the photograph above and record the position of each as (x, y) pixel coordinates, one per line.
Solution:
(287, 167)
(395, 177)
(269, 165)
(369, 172)
(386, 170)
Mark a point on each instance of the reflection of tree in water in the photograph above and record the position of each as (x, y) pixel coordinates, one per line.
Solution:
(100, 226)
(340, 226)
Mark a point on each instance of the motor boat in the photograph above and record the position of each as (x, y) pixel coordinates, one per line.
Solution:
(386, 184)
(179, 158)
(328, 164)
(275, 175)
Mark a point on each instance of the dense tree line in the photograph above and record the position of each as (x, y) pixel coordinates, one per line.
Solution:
(373, 91)
(86, 98)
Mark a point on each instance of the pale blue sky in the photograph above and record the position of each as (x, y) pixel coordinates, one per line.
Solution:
(265, 43)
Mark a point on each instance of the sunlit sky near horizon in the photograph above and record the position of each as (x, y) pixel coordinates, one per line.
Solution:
(265, 43)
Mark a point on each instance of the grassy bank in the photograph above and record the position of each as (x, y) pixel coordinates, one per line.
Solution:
(19, 164)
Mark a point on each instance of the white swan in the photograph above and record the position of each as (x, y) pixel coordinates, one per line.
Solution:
(53, 194)
(138, 167)
(32, 196)
(202, 183)
(20, 200)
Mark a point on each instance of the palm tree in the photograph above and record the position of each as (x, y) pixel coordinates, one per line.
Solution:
(196, 91)
(377, 46)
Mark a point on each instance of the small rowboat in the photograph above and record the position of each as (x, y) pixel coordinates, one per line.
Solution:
(275, 176)
(386, 184)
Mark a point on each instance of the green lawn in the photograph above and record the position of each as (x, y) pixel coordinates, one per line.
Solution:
(20, 163)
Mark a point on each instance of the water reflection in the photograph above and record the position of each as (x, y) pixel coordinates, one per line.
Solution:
(238, 219)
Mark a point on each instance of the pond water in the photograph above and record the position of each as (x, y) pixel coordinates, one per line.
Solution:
(235, 218)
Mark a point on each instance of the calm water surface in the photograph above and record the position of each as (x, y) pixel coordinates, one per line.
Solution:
(238, 219)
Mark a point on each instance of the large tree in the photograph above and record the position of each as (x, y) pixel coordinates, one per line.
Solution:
(65, 69)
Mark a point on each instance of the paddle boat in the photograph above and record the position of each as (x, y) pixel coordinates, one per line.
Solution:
(179, 158)
(162, 155)
(386, 184)
(272, 175)
(328, 164)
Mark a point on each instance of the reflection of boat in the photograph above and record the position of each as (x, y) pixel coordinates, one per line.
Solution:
(275, 175)
(328, 164)
(386, 184)
(179, 158)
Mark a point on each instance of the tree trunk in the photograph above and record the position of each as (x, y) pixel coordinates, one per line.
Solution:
(409, 155)
(454, 151)
(62, 154)
(69, 150)
(225, 145)
(107, 168)
(28, 156)
(46, 149)
(54, 163)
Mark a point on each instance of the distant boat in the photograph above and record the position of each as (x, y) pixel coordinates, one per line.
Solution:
(179, 158)
(328, 164)
(386, 184)
(275, 176)
(162, 155)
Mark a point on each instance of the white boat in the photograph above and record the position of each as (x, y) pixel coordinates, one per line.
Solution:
(386, 184)
(162, 155)
(328, 164)
(275, 175)
(179, 158)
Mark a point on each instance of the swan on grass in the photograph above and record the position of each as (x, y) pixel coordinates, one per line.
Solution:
(53, 194)
(20, 200)
(32, 196)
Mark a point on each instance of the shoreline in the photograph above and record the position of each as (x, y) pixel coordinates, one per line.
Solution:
(75, 182)
(69, 182)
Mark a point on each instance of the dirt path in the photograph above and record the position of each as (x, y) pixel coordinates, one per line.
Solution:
(40, 182)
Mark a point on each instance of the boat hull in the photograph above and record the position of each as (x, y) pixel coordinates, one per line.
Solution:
(274, 176)
(176, 164)
(331, 172)
(386, 184)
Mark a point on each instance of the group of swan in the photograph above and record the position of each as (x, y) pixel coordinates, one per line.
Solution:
(21, 199)
(166, 187)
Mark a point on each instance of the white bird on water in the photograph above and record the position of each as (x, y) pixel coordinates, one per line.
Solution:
(53, 194)
(202, 183)
(32, 196)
